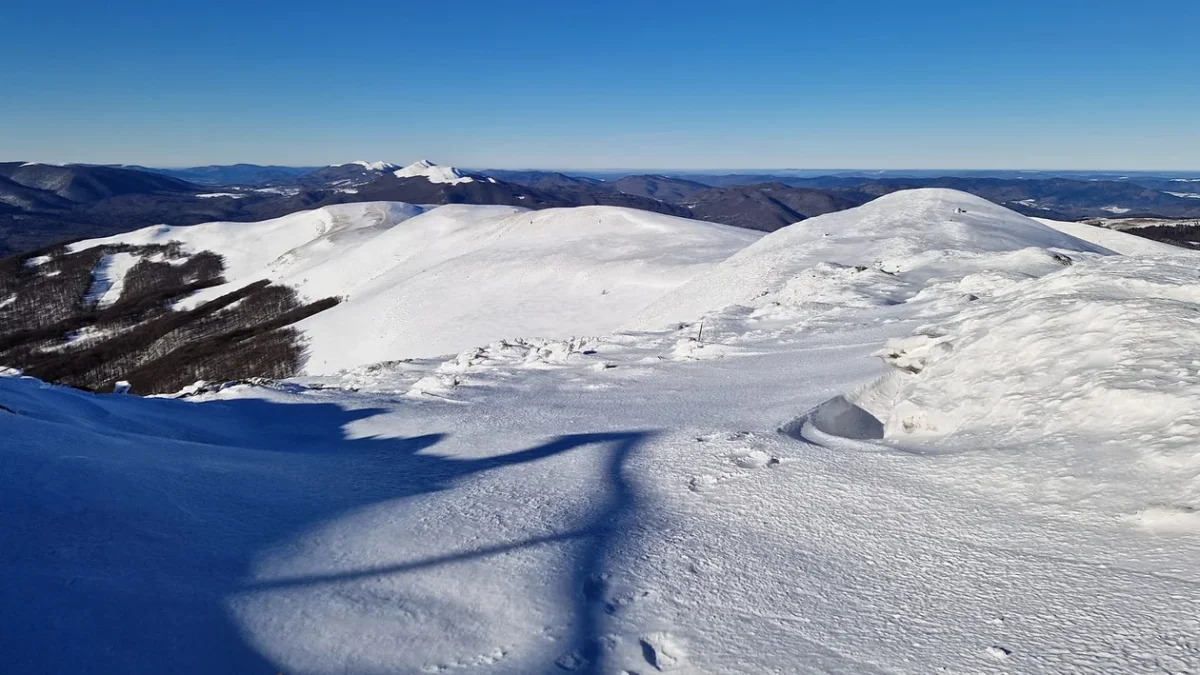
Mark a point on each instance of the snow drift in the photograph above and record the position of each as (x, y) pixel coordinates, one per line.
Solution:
(1100, 361)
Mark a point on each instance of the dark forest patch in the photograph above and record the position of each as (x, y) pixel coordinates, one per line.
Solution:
(53, 330)
(1187, 236)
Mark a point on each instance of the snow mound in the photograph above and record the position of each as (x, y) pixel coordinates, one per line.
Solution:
(418, 282)
(1069, 364)
(434, 173)
(919, 234)
(1068, 353)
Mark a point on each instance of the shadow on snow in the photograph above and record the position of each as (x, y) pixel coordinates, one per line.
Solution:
(119, 557)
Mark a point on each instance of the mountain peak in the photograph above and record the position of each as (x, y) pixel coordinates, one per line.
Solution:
(433, 173)
(371, 166)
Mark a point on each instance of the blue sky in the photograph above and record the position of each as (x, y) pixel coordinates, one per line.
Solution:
(1056, 84)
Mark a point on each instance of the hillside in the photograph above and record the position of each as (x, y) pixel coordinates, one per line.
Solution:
(80, 184)
(765, 206)
(253, 175)
(101, 201)
(867, 247)
(407, 281)
(923, 435)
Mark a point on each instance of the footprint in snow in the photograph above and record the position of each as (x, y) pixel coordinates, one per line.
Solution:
(998, 653)
(661, 651)
(748, 456)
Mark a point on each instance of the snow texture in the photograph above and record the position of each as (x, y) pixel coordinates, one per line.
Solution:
(419, 283)
(989, 463)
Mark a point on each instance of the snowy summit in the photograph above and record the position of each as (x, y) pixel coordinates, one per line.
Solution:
(434, 173)
(371, 166)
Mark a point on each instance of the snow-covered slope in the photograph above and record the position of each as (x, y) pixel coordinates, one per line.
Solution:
(249, 248)
(419, 282)
(371, 166)
(924, 233)
(1113, 240)
(434, 173)
(990, 463)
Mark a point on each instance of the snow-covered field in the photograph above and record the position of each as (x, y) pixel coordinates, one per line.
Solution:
(926, 435)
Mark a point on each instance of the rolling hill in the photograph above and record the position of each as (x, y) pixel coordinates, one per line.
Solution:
(165, 306)
(925, 434)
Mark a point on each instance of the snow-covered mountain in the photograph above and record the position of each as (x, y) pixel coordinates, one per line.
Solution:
(372, 166)
(956, 232)
(925, 435)
(421, 282)
(433, 173)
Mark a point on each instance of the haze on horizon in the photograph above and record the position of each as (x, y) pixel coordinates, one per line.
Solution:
(1031, 85)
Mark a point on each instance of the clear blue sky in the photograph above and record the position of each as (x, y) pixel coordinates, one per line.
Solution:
(1065, 84)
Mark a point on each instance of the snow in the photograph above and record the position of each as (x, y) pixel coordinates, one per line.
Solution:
(371, 166)
(434, 173)
(420, 282)
(1115, 209)
(1066, 359)
(1026, 501)
(108, 279)
(248, 248)
(918, 232)
(287, 192)
(213, 195)
(1113, 240)
(1186, 195)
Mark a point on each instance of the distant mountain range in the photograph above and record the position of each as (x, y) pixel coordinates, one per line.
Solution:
(41, 204)
(233, 174)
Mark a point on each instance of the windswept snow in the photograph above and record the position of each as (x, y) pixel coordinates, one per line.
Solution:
(921, 233)
(1070, 359)
(989, 464)
(417, 282)
(434, 173)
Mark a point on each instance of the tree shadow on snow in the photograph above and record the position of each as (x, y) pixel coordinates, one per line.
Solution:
(119, 558)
